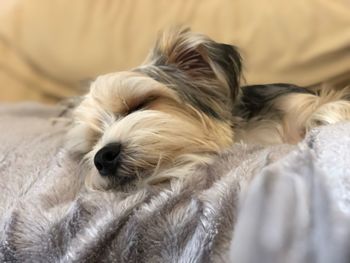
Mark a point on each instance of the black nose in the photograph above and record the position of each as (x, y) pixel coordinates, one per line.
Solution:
(106, 159)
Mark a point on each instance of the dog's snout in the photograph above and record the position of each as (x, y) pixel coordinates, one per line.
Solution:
(106, 159)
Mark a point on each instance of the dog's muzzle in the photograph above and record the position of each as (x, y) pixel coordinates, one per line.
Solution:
(107, 159)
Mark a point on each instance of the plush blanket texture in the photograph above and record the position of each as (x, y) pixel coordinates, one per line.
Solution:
(254, 204)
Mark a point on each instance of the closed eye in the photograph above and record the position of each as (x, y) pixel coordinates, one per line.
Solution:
(143, 104)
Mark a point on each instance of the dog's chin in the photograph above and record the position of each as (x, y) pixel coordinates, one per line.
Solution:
(125, 178)
(121, 179)
(125, 183)
(130, 178)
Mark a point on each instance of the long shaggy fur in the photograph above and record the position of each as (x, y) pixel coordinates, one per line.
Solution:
(183, 106)
(284, 113)
(175, 111)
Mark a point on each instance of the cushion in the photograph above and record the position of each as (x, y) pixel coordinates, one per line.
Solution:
(49, 48)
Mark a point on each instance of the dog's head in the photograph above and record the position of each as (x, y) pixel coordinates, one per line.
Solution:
(173, 110)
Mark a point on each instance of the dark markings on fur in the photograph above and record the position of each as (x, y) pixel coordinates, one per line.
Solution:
(200, 90)
(230, 61)
(257, 99)
(199, 97)
(204, 73)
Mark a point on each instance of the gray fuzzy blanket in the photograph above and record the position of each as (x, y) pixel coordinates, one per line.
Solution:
(254, 204)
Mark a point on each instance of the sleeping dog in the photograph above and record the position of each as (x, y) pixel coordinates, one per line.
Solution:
(182, 107)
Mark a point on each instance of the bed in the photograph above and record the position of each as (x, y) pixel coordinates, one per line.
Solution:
(283, 203)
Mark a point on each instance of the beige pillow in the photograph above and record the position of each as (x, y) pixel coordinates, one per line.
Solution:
(61, 43)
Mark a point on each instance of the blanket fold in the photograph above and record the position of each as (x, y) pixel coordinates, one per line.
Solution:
(280, 203)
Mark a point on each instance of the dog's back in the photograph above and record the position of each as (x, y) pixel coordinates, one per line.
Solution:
(283, 113)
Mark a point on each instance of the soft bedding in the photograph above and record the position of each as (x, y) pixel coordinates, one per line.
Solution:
(284, 203)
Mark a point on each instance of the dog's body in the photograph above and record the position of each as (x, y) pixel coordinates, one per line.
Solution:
(284, 113)
(181, 108)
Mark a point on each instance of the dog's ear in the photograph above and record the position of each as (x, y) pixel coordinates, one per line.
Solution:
(200, 58)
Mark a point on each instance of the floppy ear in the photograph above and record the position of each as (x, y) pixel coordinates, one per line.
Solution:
(200, 58)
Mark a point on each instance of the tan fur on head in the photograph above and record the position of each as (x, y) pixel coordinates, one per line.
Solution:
(160, 113)
(192, 53)
(164, 133)
(206, 71)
